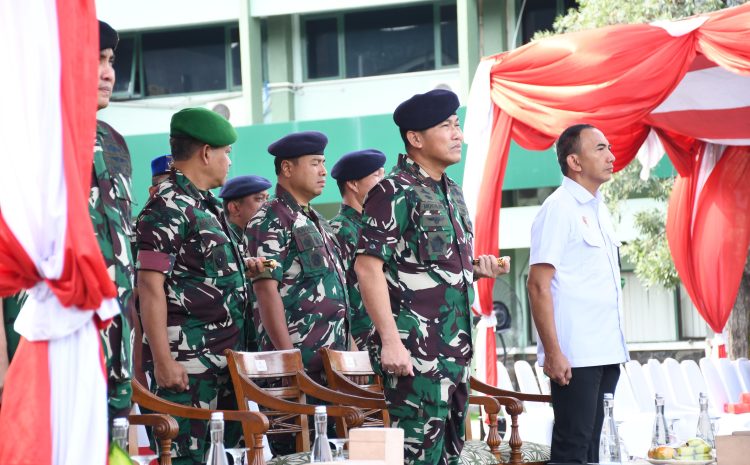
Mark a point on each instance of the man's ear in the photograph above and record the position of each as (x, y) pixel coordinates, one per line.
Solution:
(205, 149)
(415, 139)
(286, 168)
(353, 186)
(573, 162)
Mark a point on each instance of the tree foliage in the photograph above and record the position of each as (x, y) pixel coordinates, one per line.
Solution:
(649, 252)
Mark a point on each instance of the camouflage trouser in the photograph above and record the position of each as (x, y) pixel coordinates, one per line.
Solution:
(206, 390)
(361, 327)
(117, 343)
(431, 412)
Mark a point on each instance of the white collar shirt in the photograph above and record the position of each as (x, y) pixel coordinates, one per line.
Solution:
(573, 232)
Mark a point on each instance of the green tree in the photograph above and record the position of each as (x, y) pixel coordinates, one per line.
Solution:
(650, 252)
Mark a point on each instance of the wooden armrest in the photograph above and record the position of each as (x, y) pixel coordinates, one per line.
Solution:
(309, 386)
(490, 404)
(165, 428)
(350, 387)
(494, 391)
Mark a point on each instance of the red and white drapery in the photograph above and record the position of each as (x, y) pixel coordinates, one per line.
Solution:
(54, 407)
(682, 87)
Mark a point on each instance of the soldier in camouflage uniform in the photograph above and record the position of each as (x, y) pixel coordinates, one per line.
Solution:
(191, 280)
(355, 173)
(242, 197)
(302, 302)
(110, 210)
(10, 307)
(416, 275)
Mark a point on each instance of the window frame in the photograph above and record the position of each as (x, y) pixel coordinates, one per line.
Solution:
(340, 25)
(138, 94)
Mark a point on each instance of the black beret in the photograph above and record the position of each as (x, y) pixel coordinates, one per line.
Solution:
(161, 165)
(298, 144)
(108, 37)
(357, 165)
(203, 125)
(424, 111)
(242, 186)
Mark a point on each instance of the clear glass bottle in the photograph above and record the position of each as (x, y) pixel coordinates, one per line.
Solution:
(704, 430)
(321, 450)
(609, 442)
(660, 435)
(120, 433)
(216, 453)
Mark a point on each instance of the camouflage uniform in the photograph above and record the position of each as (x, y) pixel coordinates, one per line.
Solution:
(348, 227)
(181, 233)
(110, 211)
(310, 276)
(420, 228)
(249, 340)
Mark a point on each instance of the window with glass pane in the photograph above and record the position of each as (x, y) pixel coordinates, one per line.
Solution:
(183, 61)
(321, 36)
(234, 52)
(124, 66)
(540, 14)
(449, 35)
(398, 40)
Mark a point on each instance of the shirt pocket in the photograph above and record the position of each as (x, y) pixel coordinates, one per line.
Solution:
(218, 259)
(435, 236)
(312, 253)
(124, 202)
(592, 237)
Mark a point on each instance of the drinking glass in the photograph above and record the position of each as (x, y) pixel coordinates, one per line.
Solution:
(144, 459)
(238, 455)
(339, 444)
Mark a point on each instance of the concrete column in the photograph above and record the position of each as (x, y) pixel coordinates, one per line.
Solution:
(281, 68)
(468, 42)
(251, 62)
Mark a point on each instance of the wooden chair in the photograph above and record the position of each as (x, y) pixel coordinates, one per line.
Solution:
(285, 400)
(514, 407)
(164, 428)
(254, 424)
(352, 372)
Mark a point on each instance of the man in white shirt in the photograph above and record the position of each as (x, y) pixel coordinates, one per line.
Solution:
(575, 294)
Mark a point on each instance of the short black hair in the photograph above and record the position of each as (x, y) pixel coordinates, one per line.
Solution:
(403, 132)
(277, 163)
(183, 147)
(342, 186)
(569, 142)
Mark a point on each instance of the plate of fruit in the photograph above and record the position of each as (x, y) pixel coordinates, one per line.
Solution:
(693, 452)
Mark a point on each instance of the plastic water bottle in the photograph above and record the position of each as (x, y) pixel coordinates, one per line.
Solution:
(120, 433)
(660, 435)
(321, 450)
(704, 430)
(609, 442)
(216, 453)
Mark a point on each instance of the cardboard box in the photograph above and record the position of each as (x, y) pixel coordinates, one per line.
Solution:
(385, 444)
(733, 450)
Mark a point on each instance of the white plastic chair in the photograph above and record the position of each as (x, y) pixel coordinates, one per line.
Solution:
(662, 384)
(743, 372)
(642, 391)
(503, 378)
(526, 378)
(717, 394)
(681, 388)
(729, 377)
(697, 383)
(542, 378)
(634, 425)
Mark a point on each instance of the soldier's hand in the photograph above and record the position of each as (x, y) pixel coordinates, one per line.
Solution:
(396, 360)
(489, 266)
(171, 375)
(254, 266)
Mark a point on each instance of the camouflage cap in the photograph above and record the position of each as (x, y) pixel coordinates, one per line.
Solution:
(204, 125)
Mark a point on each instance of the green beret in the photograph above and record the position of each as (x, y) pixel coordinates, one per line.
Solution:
(204, 125)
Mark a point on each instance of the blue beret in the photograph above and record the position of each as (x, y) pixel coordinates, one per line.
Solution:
(242, 186)
(108, 37)
(298, 144)
(161, 165)
(424, 111)
(357, 165)
(204, 125)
